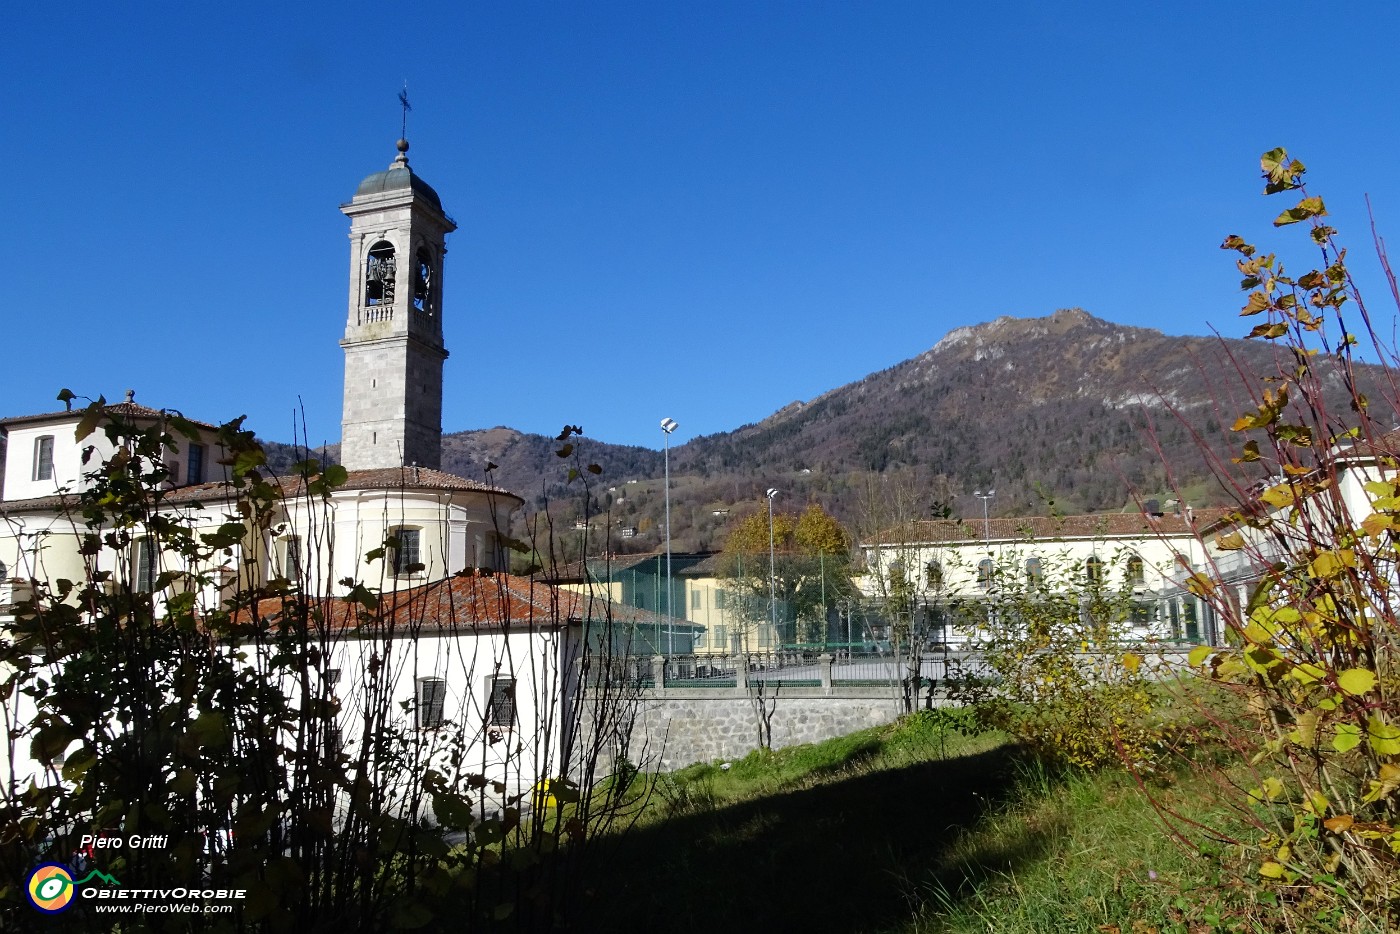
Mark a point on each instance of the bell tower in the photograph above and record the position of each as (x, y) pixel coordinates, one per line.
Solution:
(392, 412)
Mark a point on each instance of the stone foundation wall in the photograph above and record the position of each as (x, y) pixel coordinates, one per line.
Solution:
(676, 727)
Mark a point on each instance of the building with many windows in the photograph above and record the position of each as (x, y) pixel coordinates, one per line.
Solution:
(1140, 556)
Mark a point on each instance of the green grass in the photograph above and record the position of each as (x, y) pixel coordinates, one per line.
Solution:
(1106, 863)
(907, 828)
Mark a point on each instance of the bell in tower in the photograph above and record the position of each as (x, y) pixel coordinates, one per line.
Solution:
(392, 413)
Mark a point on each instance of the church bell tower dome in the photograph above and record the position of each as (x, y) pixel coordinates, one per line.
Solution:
(396, 177)
(392, 412)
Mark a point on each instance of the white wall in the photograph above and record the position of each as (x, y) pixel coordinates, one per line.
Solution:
(68, 465)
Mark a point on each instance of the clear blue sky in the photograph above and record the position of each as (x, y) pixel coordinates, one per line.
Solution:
(700, 210)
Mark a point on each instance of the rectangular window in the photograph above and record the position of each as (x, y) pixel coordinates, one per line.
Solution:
(195, 473)
(43, 458)
(334, 742)
(721, 599)
(291, 559)
(173, 470)
(145, 576)
(406, 560)
(719, 637)
(696, 600)
(500, 706)
(432, 696)
(1189, 617)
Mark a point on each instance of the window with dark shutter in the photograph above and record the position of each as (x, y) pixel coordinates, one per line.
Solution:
(145, 575)
(500, 708)
(432, 696)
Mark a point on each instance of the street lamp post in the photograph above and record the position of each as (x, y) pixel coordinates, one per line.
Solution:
(772, 566)
(668, 425)
(986, 537)
(986, 519)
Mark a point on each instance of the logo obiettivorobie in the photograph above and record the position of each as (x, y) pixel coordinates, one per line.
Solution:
(51, 887)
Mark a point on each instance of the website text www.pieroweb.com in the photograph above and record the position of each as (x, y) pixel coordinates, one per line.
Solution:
(53, 887)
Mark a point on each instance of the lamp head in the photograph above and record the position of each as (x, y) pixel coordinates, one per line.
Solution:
(669, 425)
(772, 492)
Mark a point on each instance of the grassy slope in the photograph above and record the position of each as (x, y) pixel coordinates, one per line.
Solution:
(904, 828)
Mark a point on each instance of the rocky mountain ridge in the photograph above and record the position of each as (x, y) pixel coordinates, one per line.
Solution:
(1067, 407)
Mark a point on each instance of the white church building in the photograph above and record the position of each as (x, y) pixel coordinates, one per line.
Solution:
(399, 525)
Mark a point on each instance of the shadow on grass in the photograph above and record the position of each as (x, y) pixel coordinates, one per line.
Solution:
(854, 855)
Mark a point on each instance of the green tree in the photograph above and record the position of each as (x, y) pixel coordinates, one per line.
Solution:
(811, 572)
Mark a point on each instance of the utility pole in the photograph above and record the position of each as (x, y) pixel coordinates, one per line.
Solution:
(668, 425)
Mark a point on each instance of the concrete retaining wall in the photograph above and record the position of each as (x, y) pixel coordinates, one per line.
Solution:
(676, 727)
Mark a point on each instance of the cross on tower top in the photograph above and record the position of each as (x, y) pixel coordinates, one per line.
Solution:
(403, 99)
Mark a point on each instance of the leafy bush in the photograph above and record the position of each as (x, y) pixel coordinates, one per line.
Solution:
(1313, 653)
(1060, 665)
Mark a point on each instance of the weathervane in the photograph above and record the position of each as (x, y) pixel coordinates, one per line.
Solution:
(403, 99)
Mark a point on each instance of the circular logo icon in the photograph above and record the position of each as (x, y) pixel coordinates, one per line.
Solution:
(50, 888)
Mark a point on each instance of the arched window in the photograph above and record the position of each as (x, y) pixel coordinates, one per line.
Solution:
(1093, 570)
(423, 282)
(984, 573)
(380, 270)
(1035, 573)
(933, 575)
(1136, 573)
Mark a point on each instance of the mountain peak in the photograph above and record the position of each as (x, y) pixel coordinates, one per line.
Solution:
(1008, 329)
(1074, 316)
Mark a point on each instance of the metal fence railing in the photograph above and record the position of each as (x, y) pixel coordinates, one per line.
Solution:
(934, 669)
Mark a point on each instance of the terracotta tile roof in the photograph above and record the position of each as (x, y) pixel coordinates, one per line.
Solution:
(406, 478)
(688, 563)
(120, 409)
(216, 492)
(477, 603)
(1387, 444)
(1102, 525)
(705, 567)
(576, 572)
(417, 478)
